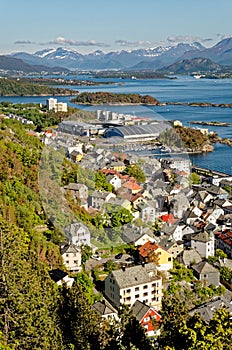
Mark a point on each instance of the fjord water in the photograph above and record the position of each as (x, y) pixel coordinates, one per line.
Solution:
(182, 89)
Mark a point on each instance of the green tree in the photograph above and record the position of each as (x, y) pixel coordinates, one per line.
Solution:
(28, 297)
(135, 171)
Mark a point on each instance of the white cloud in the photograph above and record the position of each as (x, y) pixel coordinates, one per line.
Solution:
(133, 43)
(63, 41)
(187, 38)
(24, 42)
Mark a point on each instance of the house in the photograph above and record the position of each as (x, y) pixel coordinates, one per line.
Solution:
(98, 198)
(224, 241)
(132, 186)
(151, 250)
(105, 310)
(76, 156)
(71, 255)
(147, 211)
(137, 235)
(203, 242)
(147, 316)
(117, 165)
(114, 180)
(207, 310)
(79, 192)
(173, 247)
(189, 257)
(77, 233)
(207, 273)
(140, 282)
(60, 277)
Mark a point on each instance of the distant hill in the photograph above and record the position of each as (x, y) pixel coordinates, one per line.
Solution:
(220, 53)
(14, 64)
(188, 66)
(123, 59)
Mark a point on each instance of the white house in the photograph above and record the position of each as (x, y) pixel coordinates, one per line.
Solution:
(203, 242)
(77, 233)
(71, 255)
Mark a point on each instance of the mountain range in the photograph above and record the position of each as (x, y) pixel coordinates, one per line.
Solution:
(152, 58)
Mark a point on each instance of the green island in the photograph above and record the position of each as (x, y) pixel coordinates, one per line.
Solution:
(99, 98)
(200, 104)
(9, 87)
(147, 74)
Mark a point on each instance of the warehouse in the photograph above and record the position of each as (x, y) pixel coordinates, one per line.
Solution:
(137, 133)
(77, 128)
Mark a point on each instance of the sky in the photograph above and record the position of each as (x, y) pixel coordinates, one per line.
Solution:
(109, 25)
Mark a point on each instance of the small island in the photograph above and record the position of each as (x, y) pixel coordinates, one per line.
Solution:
(213, 123)
(62, 81)
(100, 98)
(200, 104)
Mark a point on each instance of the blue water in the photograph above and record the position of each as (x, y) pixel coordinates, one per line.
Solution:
(183, 89)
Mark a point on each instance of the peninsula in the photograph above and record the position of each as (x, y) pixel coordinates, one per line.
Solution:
(9, 87)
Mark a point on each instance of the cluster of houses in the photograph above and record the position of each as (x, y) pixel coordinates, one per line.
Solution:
(177, 221)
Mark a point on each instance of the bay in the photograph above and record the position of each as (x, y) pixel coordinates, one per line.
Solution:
(182, 89)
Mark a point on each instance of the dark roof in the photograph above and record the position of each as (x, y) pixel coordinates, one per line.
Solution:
(57, 275)
(201, 237)
(206, 310)
(70, 248)
(104, 308)
(139, 310)
(204, 267)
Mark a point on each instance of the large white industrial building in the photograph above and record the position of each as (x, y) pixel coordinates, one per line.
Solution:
(137, 133)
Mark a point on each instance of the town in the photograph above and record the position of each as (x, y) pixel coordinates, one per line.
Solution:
(172, 221)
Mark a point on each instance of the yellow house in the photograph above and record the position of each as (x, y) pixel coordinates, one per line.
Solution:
(152, 251)
(76, 156)
(117, 166)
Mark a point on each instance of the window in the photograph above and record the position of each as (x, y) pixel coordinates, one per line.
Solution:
(137, 296)
(136, 289)
(75, 261)
(154, 285)
(146, 319)
(145, 287)
(67, 254)
(169, 259)
(128, 290)
(67, 262)
(145, 294)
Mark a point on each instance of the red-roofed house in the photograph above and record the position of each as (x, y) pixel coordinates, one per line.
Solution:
(169, 219)
(151, 250)
(147, 316)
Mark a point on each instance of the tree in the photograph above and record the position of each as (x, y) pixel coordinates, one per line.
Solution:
(101, 182)
(135, 171)
(120, 217)
(86, 252)
(195, 179)
(28, 297)
(80, 324)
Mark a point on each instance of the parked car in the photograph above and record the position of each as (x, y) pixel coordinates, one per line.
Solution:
(96, 257)
(118, 256)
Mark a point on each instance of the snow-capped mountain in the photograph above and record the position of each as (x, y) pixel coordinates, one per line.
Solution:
(154, 58)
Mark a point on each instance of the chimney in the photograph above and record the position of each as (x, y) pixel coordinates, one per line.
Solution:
(123, 268)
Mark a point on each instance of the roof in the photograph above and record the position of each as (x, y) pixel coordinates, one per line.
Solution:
(204, 267)
(139, 310)
(141, 130)
(149, 247)
(206, 310)
(132, 186)
(201, 237)
(135, 275)
(57, 275)
(189, 257)
(104, 308)
(70, 248)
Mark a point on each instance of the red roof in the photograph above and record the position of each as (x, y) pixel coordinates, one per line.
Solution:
(169, 218)
(147, 248)
(132, 186)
